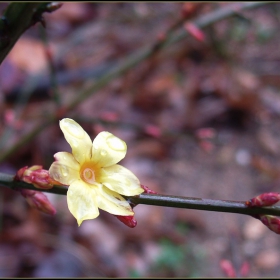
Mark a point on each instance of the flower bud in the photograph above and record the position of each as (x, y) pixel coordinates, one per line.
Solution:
(147, 190)
(272, 222)
(153, 130)
(265, 199)
(227, 268)
(244, 270)
(38, 200)
(128, 220)
(37, 176)
(195, 31)
(205, 133)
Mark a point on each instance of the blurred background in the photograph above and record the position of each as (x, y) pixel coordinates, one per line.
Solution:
(200, 119)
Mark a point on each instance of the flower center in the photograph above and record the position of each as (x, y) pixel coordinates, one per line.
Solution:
(88, 174)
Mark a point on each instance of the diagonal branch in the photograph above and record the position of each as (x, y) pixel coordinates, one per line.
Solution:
(17, 18)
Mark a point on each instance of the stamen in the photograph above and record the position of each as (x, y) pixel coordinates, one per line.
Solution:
(88, 175)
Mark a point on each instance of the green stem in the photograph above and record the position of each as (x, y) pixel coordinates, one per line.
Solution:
(238, 207)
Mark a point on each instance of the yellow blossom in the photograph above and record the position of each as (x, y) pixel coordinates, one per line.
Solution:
(95, 179)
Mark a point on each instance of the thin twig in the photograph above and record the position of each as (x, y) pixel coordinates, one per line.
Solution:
(55, 94)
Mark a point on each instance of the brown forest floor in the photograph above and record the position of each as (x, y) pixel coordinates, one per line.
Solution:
(228, 83)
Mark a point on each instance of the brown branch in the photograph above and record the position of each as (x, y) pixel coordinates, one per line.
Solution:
(17, 18)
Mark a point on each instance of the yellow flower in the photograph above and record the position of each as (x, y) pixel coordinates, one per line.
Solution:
(94, 179)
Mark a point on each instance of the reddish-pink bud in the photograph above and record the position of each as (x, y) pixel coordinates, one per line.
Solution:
(38, 200)
(272, 222)
(227, 268)
(265, 199)
(188, 9)
(9, 116)
(244, 270)
(20, 173)
(147, 190)
(36, 176)
(109, 116)
(161, 37)
(194, 31)
(206, 146)
(127, 220)
(153, 130)
(205, 132)
(10, 119)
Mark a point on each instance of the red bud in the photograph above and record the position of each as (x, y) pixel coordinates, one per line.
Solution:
(147, 190)
(128, 220)
(272, 222)
(38, 200)
(227, 268)
(194, 31)
(265, 199)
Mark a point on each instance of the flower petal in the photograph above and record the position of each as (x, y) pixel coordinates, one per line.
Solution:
(107, 149)
(77, 138)
(121, 180)
(81, 199)
(65, 169)
(112, 202)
